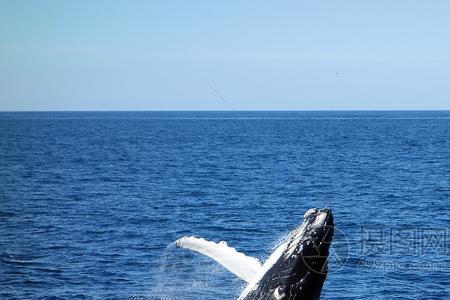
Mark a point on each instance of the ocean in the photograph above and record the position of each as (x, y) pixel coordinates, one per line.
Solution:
(92, 202)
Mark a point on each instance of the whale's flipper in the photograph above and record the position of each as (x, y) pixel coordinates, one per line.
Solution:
(243, 266)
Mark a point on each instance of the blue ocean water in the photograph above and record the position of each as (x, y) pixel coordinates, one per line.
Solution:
(91, 202)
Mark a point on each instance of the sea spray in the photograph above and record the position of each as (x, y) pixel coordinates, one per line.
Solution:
(183, 275)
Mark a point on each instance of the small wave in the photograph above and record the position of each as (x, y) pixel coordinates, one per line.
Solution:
(17, 259)
(6, 214)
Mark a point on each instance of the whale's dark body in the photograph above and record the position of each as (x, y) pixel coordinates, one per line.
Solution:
(299, 274)
(296, 270)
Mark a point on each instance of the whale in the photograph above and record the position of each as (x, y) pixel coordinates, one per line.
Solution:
(296, 269)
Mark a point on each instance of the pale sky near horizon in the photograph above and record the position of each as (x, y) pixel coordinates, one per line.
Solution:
(180, 55)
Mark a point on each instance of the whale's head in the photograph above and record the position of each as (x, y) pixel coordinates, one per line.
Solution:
(310, 241)
(298, 267)
(302, 268)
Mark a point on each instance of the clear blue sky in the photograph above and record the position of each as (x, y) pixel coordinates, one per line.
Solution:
(164, 55)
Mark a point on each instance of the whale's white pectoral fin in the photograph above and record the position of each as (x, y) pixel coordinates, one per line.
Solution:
(243, 266)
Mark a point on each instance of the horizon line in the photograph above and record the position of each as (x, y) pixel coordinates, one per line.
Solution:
(234, 110)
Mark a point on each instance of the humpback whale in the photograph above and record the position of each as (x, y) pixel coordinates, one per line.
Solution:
(296, 269)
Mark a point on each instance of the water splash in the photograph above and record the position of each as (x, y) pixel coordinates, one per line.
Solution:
(185, 275)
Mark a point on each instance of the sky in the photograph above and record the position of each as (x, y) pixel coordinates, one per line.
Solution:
(224, 55)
